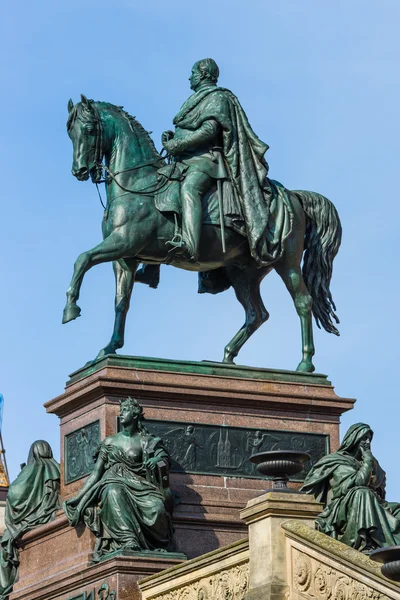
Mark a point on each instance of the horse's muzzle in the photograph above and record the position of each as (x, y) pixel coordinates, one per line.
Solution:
(81, 174)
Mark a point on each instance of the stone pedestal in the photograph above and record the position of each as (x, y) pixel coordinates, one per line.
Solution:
(212, 418)
(264, 517)
(56, 565)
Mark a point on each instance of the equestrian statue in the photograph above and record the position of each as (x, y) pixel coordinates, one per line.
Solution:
(207, 206)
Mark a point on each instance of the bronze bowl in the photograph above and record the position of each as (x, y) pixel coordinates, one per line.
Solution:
(390, 557)
(280, 465)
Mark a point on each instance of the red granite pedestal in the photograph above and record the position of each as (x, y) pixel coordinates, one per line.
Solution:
(228, 404)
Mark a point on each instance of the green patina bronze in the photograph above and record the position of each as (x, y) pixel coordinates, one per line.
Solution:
(352, 485)
(32, 500)
(197, 367)
(225, 451)
(80, 447)
(126, 501)
(211, 209)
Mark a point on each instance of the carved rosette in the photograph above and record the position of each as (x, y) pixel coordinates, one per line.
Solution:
(316, 580)
(302, 572)
(229, 584)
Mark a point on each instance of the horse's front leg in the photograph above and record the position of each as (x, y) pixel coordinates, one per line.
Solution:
(112, 248)
(124, 271)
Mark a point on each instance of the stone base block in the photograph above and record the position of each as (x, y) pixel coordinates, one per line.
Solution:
(212, 417)
(269, 591)
(56, 565)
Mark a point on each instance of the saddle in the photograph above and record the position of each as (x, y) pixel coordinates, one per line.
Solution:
(168, 200)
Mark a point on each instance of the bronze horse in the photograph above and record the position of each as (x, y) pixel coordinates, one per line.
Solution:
(135, 232)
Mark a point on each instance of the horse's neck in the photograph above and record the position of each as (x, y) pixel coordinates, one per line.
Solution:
(129, 150)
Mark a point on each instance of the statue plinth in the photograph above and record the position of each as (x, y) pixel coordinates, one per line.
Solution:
(212, 417)
(55, 564)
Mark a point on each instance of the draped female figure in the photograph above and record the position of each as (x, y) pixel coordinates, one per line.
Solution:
(352, 485)
(123, 502)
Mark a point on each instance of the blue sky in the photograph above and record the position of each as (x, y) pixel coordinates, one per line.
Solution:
(320, 83)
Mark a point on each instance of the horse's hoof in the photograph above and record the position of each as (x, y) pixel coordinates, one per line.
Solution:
(228, 359)
(305, 367)
(105, 352)
(71, 312)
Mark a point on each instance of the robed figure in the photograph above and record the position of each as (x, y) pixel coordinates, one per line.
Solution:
(351, 483)
(32, 500)
(126, 501)
(213, 141)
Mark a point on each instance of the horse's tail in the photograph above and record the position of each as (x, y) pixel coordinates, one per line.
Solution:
(322, 242)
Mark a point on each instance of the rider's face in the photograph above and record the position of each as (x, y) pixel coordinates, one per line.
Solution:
(195, 78)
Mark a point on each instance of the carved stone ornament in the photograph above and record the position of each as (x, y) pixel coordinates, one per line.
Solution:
(227, 451)
(315, 579)
(229, 584)
(103, 593)
(80, 448)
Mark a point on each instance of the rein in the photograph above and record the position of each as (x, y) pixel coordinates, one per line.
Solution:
(100, 167)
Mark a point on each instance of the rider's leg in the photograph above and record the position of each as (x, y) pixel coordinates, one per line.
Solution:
(195, 185)
(149, 274)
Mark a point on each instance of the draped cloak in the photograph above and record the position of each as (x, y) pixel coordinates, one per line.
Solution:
(356, 512)
(32, 500)
(248, 169)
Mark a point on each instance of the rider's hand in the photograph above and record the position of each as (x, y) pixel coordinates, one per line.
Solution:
(167, 136)
(173, 147)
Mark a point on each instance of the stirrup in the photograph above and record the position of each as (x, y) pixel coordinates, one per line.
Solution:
(176, 242)
(180, 247)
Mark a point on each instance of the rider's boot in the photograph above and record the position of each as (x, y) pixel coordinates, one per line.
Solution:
(181, 248)
(195, 185)
(148, 274)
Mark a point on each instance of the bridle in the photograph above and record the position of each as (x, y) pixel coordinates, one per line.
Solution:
(99, 167)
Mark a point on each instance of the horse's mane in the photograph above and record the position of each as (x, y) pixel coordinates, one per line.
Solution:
(86, 116)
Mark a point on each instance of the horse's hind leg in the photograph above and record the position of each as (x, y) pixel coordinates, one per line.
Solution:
(246, 283)
(293, 278)
(124, 271)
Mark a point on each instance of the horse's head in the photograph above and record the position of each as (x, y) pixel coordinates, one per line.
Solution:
(86, 132)
(94, 127)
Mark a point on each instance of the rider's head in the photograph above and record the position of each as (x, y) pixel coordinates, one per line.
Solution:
(204, 70)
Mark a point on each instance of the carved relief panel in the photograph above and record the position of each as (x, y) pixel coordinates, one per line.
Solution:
(229, 584)
(225, 450)
(80, 450)
(316, 580)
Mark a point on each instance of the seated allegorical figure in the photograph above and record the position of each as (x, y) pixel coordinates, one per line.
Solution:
(126, 501)
(32, 500)
(351, 484)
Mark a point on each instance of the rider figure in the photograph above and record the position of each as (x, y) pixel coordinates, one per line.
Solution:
(195, 150)
(214, 140)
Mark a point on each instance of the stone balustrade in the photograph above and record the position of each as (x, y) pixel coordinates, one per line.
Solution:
(321, 568)
(223, 573)
(285, 558)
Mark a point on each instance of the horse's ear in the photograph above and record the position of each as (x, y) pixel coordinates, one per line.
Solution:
(70, 105)
(85, 102)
